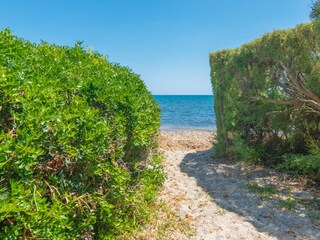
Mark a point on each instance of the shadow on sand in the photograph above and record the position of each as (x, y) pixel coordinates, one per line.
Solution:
(226, 184)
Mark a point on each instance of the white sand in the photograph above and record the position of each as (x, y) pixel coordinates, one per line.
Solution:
(212, 195)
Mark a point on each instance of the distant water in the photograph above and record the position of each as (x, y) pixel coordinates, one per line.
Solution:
(180, 112)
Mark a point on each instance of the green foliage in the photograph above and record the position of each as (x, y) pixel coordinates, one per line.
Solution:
(241, 151)
(77, 143)
(315, 10)
(301, 164)
(263, 191)
(289, 203)
(267, 97)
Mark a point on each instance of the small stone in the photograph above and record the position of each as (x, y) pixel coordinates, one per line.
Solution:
(225, 195)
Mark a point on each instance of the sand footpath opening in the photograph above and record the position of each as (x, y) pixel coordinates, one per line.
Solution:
(224, 200)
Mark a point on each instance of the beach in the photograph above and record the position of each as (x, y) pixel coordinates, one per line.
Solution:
(214, 196)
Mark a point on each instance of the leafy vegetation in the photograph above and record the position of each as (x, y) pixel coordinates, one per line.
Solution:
(267, 98)
(77, 143)
(287, 203)
(315, 11)
(266, 191)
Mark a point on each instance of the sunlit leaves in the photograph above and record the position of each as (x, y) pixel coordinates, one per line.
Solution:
(267, 95)
(76, 134)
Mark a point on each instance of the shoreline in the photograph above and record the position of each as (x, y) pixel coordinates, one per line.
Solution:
(187, 139)
(164, 129)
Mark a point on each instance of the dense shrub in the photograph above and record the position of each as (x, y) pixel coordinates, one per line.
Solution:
(315, 11)
(77, 143)
(267, 97)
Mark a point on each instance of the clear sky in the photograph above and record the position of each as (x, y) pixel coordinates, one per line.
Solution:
(167, 42)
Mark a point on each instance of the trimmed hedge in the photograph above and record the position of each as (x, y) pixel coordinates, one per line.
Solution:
(267, 98)
(77, 143)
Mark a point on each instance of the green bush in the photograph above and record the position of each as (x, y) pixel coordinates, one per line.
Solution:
(267, 96)
(78, 151)
(301, 164)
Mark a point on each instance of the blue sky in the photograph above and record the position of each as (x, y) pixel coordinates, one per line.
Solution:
(167, 42)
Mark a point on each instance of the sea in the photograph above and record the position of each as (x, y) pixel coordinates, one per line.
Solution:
(186, 112)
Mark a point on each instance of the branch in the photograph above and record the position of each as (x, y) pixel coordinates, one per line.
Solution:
(293, 102)
(298, 84)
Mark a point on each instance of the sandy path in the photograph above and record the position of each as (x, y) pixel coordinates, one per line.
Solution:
(213, 195)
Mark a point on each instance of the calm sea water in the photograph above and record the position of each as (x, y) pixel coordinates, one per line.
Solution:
(180, 112)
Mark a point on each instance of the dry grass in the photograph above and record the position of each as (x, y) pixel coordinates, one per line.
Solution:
(163, 224)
